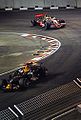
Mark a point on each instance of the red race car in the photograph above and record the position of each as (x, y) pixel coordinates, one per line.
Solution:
(47, 22)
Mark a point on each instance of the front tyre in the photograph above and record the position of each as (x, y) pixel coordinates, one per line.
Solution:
(47, 26)
(5, 86)
(61, 21)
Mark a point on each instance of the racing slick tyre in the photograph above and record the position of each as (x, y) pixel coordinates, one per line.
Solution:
(34, 23)
(5, 86)
(41, 72)
(24, 83)
(3, 83)
(47, 26)
(61, 21)
(0, 83)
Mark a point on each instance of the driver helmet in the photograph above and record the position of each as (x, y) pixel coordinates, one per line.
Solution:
(26, 68)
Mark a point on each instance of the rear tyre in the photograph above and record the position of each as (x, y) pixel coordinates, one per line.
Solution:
(41, 72)
(34, 23)
(24, 83)
(3, 83)
(47, 26)
(62, 22)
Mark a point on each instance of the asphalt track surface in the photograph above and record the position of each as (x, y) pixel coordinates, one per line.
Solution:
(63, 66)
(14, 52)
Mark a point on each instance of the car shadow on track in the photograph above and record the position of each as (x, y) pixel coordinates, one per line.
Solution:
(40, 28)
(50, 77)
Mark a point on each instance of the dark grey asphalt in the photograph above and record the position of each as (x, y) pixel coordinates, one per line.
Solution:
(64, 65)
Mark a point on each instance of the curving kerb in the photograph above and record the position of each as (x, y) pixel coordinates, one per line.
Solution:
(54, 45)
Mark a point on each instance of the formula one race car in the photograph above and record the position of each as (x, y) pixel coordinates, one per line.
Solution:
(23, 77)
(47, 22)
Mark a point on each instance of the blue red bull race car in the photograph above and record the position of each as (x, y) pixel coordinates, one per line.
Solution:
(23, 77)
(47, 22)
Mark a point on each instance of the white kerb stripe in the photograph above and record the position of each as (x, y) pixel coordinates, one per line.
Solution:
(79, 80)
(51, 41)
(13, 112)
(38, 8)
(23, 8)
(18, 110)
(76, 83)
(34, 36)
(8, 9)
(69, 7)
(43, 38)
(53, 8)
(24, 35)
(38, 58)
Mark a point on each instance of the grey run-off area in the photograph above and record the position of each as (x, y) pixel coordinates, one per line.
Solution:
(15, 50)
